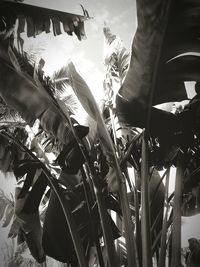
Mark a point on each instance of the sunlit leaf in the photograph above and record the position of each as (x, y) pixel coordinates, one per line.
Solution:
(60, 79)
(8, 216)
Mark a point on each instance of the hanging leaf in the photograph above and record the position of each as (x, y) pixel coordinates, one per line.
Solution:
(158, 44)
(41, 106)
(39, 19)
(31, 226)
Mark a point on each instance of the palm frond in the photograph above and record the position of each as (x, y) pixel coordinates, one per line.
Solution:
(8, 114)
(60, 79)
(71, 103)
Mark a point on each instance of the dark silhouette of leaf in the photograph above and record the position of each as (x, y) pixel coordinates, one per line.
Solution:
(28, 182)
(39, 19)
(24, 166)
(173, 31)
(193, 258)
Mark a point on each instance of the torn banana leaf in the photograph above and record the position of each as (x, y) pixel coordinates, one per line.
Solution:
(39, 19)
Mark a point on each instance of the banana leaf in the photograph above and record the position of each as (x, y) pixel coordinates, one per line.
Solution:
(32, 102)
(166, 30)
(88, 102)
(39, 19)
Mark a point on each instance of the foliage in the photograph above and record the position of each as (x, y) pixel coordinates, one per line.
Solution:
(90, 179)
(39, 20)
(7, 208)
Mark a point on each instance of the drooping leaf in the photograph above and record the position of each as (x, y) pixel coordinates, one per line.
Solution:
(157, 46)
(41, 106)
(39, 19)
(31, 227)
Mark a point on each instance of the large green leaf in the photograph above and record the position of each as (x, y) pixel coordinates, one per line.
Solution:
(88, 102)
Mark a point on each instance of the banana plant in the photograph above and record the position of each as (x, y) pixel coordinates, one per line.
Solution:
(158, 60)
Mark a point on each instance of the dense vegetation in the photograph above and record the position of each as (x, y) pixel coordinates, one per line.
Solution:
(93, 196)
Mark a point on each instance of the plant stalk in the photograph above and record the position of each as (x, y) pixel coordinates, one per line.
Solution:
(145, 211)
(162, 255)
(176, 227)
